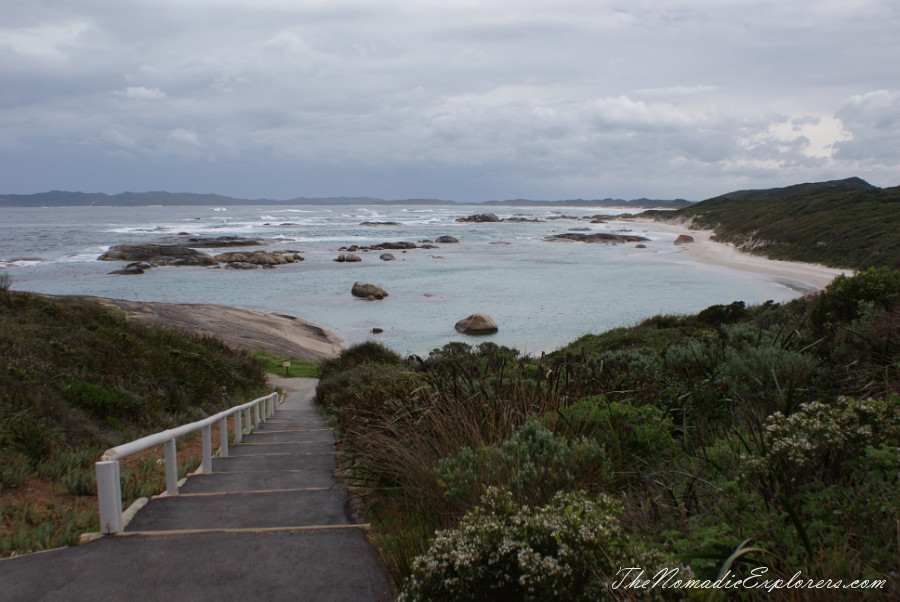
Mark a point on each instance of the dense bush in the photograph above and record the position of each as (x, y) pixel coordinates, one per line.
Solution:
(569, 549)
(533, 464)
(848, 297)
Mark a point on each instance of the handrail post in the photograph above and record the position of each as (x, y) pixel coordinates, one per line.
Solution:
(171, 467)
(206, 437)
(270, 404)
(223, 437)
(109, 492)
(249, 420)
(256, 413)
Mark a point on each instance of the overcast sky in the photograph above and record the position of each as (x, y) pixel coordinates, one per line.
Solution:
(462, 100)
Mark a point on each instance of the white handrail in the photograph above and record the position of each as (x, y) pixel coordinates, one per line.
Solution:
(109, 482)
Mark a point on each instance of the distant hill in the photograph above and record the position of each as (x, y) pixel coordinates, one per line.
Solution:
(842, 223)
(635, 203)
(58, 198)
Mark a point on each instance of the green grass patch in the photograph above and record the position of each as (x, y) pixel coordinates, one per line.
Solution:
(275, 365)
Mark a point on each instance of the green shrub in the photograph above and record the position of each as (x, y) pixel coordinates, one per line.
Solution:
(14, 469)
(569, 549)
(96, 400)
(533, 464)
(29, 434)
(716, 315)
(362, 354)
(634, 437)
(843, 300)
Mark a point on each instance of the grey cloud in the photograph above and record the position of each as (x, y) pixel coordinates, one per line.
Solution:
(873, 121)
(563, 98)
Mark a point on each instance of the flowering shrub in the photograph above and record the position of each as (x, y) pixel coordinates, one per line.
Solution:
(816, 441)
(569, 549)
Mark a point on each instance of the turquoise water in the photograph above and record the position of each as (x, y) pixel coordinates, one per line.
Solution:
(541, 294)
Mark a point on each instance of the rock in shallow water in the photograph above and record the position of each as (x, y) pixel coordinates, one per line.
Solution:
(477, 324)
(367, 289)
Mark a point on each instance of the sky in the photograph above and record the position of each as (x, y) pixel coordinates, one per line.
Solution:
(464, 100)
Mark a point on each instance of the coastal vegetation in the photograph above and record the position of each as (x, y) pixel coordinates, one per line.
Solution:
(843, 223)
(77, 378)
(707, 445)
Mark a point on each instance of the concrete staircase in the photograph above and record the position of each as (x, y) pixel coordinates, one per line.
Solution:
(269, 523)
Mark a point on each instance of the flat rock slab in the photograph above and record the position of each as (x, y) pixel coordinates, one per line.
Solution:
(230, 482)
(313, 566)
(253, 510)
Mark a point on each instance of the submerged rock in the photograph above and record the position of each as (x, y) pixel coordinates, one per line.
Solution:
(597, 237)
(477, 324)
(479, 218)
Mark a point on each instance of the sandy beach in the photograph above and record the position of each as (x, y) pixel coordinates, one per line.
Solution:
(278, 334)
(803, 277)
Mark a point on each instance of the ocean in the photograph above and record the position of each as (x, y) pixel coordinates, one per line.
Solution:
(542, 294)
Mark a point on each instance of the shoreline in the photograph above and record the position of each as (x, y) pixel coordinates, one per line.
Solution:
(803, 277)
(279, 334)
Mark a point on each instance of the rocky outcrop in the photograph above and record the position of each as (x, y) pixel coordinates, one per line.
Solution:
(381, 224)
(367, 290)
(683, 239)
(385, 246)
(157, 254)
(263, 258)
(477, 324)
(597, 237)
(446, 240)
(348, 258)
(522, 220)
(479, 218)
(387, 257)
(218, 242)
(146, 256)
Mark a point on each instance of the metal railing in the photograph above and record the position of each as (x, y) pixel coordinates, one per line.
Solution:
(109, 481)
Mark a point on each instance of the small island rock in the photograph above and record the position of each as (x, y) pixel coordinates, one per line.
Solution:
(477, 324)
(367, 289)
(683, 239)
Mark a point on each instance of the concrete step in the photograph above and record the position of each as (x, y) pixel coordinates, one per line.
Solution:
(296, 459)
(244, 510)
(279, 434)
(328, 565)
(292, 448)
(258, 481)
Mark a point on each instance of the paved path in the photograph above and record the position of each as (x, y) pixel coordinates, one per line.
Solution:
(269, 523)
